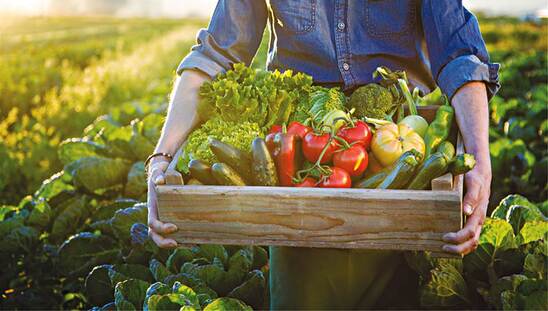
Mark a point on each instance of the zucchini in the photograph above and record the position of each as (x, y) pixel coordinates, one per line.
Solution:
(263, 165)
(202, 172)
(400, 175)
(462, 164)
(372, 181)
(226, 176)
(434, 166)
(237, 159)
(447, 149)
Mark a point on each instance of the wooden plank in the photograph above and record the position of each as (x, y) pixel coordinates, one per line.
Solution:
(444, 182)
(334, 218)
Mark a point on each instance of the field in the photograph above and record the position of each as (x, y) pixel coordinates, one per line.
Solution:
(72, 227)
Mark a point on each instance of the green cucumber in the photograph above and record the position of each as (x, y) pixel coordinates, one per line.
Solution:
(462, 164)
(447, 149)
(263, 165)
(400, 175)
(372, 181)
(202, 172)
(237, 159)
(226, 176)
(433, 167)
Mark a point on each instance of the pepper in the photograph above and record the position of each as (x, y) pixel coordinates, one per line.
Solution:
(438, 130)
(288, 158)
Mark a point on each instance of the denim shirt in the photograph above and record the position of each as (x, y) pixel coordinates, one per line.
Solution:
(342, 42)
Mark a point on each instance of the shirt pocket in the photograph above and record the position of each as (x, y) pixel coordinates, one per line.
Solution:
(294, 16)
(390, 18)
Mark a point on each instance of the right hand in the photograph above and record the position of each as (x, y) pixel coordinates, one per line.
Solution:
(156, 228)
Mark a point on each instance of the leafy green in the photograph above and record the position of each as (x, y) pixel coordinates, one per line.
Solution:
(98, 287)
(136, 185)
(159, 271)
(178, 257)
(532, 231)
(518, 215)
(252, 290)
(514, 199)
(446, 287)
(76, 148)
(93, 173)
(85, 250)
(130, 294)
(123, 219)
(227, 304)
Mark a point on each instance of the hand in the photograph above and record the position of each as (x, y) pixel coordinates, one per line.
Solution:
(156, 228)
(476, 199)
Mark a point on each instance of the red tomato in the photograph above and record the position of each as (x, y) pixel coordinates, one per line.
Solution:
(314, 144)
(275, 129)
(339, 178)
(298, 129)
(308, 182)
(354, 160)
(360, 134)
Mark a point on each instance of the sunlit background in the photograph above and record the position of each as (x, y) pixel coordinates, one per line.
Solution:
(203, 8)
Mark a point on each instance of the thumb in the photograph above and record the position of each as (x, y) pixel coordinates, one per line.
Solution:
(160, 179)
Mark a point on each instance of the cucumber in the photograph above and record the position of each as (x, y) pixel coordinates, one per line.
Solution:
(263, 165)
(226, 176)
(202, 172)
(372, 181)
(447, 149)
(462, 164)
(434, 166)
(237, 159)
(400, 175)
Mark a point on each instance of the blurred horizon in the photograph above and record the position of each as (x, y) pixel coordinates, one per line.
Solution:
(204, 8)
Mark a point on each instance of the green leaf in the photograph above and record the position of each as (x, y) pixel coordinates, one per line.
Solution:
(227, 304)
(95, 173)
(518, 215)
(446, 287)
(158, 289)
(130, 294)
(41, 215)
(514, 199)
(123, 219)
(85, 250)
(188, 293)
(6, 210)
(178, 257)
(496, 236)
(76, 148)
(136, 185)
(260, 257)
(534, 266)
(506, 283)
(20, 240)
(159, 271)
(98, 288)
(532, 231)
(75, 211)
(210, 252)
(53, 186)
(239, 265)
(252, 291)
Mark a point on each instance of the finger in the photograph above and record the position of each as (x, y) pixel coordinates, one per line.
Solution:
(161, 241)
(160, 179)
(473, 194)
(160, 227)
(466, 233)
(463, 248)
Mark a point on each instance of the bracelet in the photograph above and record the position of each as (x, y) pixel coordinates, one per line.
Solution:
(157, 154)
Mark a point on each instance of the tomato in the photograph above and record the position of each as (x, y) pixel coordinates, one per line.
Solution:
(308, 182)
(275, 129)
(339, 178)
(360, 134)
(354, 160)
(298, 129)
(391, 140)
(313, 145)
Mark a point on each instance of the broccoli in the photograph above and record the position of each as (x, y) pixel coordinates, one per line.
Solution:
(371, 100)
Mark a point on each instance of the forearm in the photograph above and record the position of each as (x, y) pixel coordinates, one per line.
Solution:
(182, 114)
(472, 114)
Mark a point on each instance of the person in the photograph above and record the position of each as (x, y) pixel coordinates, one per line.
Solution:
(340, 43)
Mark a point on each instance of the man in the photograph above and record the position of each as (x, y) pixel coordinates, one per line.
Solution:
(340, 43)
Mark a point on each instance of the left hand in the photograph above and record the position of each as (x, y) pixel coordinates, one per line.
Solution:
(476, 199)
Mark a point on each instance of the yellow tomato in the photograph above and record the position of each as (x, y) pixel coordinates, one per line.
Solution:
(391, 140)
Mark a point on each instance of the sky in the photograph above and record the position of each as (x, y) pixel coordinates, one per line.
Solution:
(203, 8)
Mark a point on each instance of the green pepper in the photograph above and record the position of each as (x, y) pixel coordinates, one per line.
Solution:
(438, 130)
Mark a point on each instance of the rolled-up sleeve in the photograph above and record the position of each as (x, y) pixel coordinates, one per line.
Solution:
(232, 36)
(456, 49)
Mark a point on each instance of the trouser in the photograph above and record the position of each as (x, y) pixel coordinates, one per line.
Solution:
(329, 279)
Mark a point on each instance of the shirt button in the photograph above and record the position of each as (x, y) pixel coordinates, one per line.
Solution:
(346, 66)
(341, 26)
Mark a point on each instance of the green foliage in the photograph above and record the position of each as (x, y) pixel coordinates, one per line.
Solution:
(507, 271)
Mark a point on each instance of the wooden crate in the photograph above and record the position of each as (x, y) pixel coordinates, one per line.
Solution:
(315, 217)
